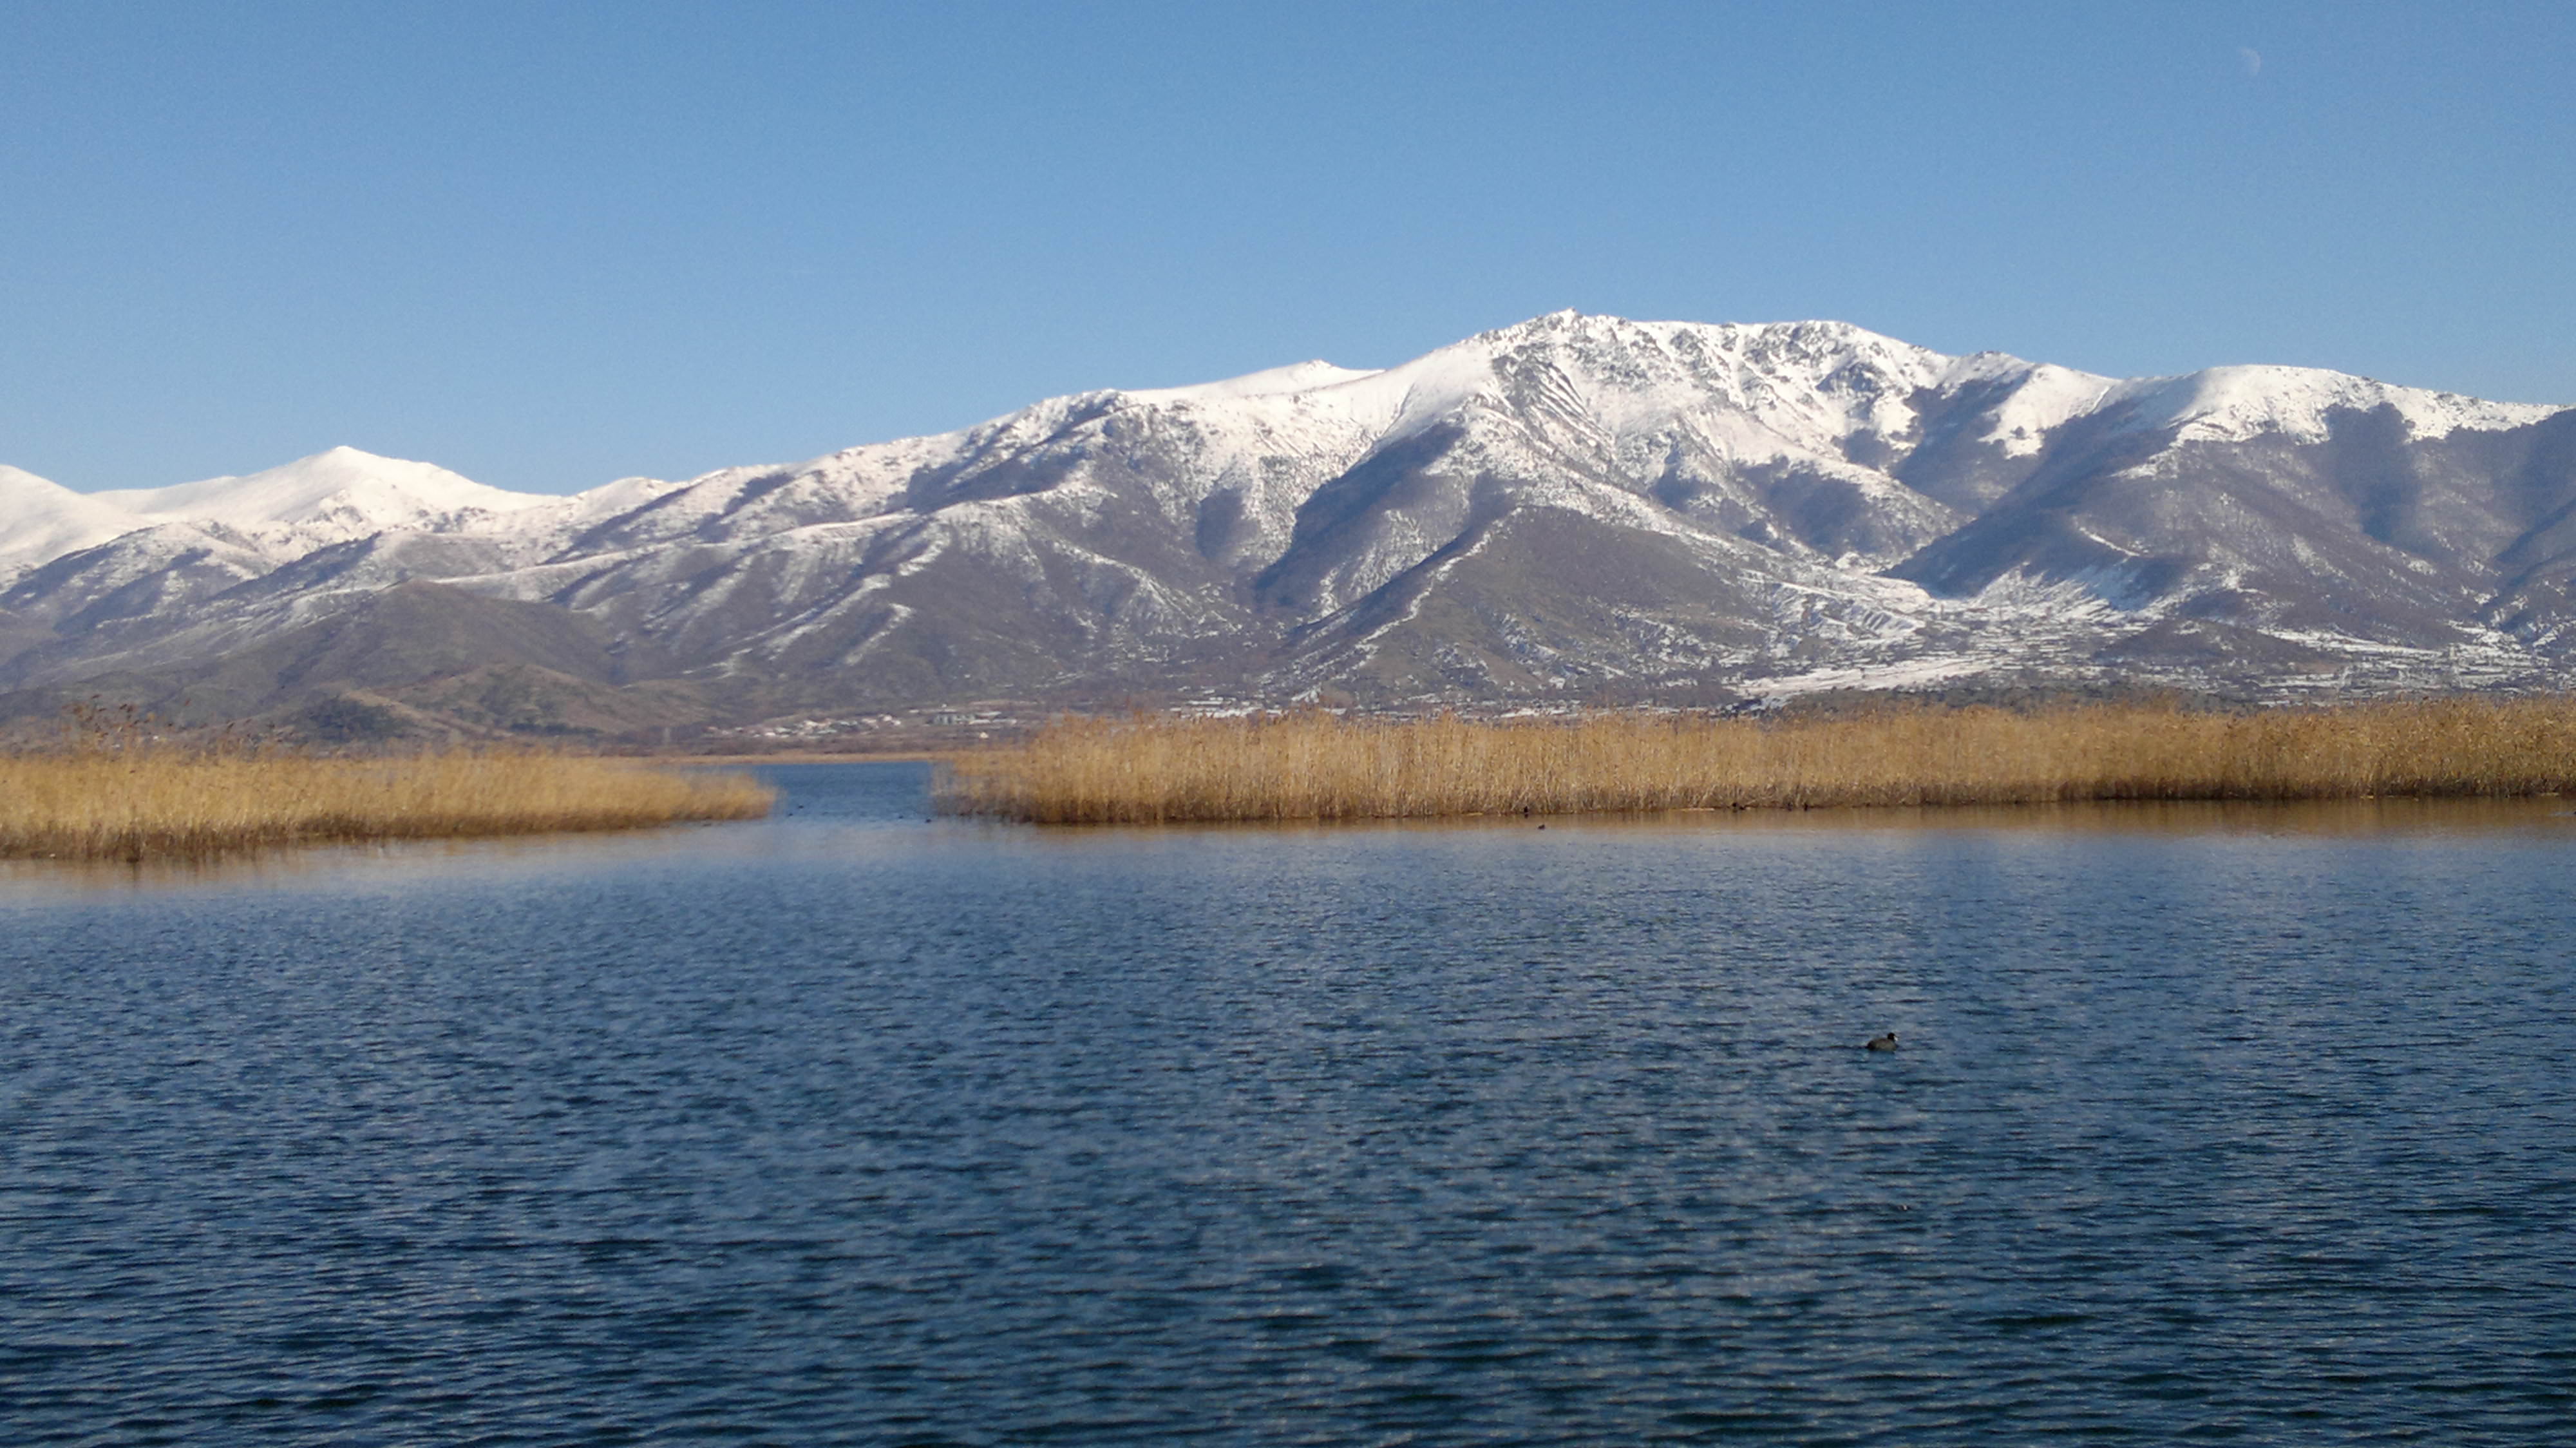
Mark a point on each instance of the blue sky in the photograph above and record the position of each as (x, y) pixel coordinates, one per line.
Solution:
(549, 245)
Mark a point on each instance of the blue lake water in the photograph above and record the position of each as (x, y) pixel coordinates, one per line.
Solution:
(2256, 1125)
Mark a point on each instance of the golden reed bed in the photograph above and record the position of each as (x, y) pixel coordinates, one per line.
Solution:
(1316, 767)
(136, 803)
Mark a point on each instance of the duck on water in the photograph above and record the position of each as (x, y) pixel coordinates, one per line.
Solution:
(1886, 1042)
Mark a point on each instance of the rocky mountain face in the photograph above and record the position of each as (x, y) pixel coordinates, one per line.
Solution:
(1575, 508)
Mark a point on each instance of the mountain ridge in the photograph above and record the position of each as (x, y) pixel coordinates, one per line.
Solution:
(1572, 506)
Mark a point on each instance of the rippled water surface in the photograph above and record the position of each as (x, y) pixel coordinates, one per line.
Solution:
(848, 1127)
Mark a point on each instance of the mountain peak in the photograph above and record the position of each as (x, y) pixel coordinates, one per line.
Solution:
(346, 487)
(18, 482)
(41, 520)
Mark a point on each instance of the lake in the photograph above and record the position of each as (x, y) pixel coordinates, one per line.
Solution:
(2250, 1124)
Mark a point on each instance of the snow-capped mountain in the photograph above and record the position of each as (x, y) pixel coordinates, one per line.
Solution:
(1574, 507)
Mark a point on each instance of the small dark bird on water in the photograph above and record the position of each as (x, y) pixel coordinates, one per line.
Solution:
(1881, 1043)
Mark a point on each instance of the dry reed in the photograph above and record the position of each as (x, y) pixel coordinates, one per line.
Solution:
(135, 803)
(1313, 766)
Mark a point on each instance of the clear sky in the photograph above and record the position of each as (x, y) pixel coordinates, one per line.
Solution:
(552, 244)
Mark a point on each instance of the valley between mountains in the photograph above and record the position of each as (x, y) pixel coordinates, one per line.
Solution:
(1574, 509)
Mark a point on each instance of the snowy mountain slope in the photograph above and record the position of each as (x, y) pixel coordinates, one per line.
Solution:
(41, 521)
(2235, 404)
(2333, 505)
(330, 497)
(1565, 507)
(345, 494)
